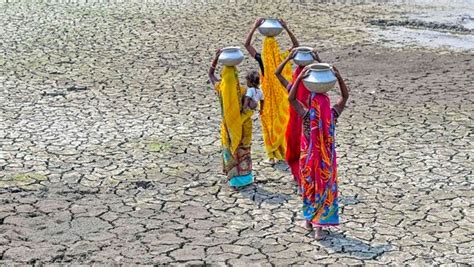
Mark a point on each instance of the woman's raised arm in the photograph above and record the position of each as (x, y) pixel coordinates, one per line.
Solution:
(212, 69)
(297, 105)
(248, 40)
(280, 68)
(290, 33)
(316, 55)
(341, 102)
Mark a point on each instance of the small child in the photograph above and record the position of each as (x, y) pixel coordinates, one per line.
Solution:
(254, 94)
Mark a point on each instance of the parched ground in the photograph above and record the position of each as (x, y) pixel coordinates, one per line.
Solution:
(109, 143)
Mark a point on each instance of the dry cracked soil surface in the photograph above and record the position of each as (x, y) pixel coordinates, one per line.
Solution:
(109, 141)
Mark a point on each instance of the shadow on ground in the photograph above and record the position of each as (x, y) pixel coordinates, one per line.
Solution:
(258, 194)
(356, 248)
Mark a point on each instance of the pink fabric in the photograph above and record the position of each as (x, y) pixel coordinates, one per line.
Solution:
(318, 164)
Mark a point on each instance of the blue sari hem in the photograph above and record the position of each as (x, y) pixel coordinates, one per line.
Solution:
(243, 180)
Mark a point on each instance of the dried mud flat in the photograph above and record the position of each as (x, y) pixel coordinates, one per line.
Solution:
(109, 144)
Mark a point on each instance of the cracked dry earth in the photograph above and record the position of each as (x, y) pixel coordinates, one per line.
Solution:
(109, 143)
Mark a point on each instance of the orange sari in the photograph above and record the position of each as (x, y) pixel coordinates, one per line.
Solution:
(275, 110)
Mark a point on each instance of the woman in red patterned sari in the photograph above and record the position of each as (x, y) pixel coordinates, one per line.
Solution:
(318, 166)
(293, 130)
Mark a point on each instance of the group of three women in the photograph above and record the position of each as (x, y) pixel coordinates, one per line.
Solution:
(303, 134)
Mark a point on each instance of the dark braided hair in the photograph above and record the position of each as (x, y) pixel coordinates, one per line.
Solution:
(253, 78)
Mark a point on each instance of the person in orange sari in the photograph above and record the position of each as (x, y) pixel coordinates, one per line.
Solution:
(293, 130)
(236, 126)
(274, 115)
(318, 165)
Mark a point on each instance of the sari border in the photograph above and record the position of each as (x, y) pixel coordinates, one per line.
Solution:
(241, 180)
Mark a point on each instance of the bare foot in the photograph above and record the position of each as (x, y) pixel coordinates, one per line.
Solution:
(318, 233)
(306, 225)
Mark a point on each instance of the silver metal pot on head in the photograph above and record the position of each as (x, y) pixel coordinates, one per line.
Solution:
(231, 56)
(304, 56)
(321, 78)
(270, 27)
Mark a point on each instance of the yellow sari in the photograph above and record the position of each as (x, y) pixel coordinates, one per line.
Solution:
(275, 114)
(236, 129)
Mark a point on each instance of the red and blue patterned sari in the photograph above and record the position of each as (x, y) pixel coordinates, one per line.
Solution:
(318, 163)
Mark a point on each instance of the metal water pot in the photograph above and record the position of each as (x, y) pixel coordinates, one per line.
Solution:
(270, 27)
(303, 56)
(321, 78)
(231, 56)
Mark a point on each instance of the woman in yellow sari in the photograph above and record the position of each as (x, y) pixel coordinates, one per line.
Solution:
(275, 113)
(236, 126)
